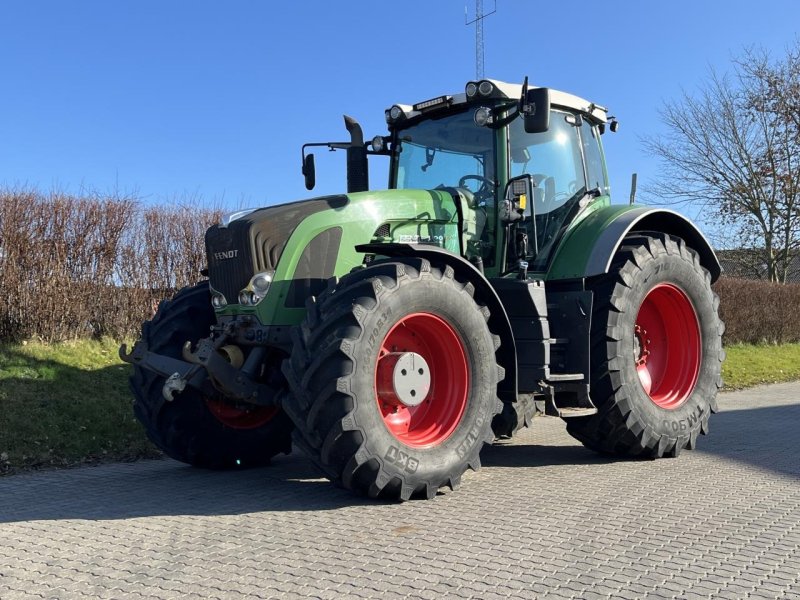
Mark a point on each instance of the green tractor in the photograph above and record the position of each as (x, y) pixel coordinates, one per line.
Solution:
(390, 334)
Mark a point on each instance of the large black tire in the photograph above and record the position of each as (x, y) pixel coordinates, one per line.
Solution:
(656, 298)
(339, 352)
(192, 428)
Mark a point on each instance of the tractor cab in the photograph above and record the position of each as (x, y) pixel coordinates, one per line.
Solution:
(526, 162)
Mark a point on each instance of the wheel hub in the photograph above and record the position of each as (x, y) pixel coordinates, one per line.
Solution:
(424, 405)
(667, 346)
(641, 346)
(404, 378)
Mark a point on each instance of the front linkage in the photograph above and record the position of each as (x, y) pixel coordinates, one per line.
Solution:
(214, 365)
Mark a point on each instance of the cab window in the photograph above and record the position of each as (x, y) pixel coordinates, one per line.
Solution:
(590, 138)
(552, 158)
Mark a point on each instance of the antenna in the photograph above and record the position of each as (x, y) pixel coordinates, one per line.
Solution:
(478, 20)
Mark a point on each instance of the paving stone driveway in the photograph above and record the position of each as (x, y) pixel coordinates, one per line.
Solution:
(543, 518)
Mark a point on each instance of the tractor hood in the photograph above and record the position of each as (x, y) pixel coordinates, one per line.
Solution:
(253, 243)
(269, 261)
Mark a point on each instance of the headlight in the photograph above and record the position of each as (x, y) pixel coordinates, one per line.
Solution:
(472, 89)
(218, 300)
(260, 283)
(247, 298)
(395, 112)
(256, 289)
(378, 143)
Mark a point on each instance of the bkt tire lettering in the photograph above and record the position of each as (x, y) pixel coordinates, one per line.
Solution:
(401, 459)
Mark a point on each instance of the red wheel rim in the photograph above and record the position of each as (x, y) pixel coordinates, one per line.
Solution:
(241, 418)
(431, 422)
(667, 346)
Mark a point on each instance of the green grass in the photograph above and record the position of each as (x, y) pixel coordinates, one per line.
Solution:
(747, 365)
(68, 404)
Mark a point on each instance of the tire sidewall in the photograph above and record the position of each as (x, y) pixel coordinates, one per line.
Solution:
(443, 299)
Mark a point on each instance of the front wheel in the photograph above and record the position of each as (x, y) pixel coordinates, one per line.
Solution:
(656, 351)
(201, 430)
(394, 378)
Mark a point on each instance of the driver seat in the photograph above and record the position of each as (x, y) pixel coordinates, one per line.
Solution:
(544, 194)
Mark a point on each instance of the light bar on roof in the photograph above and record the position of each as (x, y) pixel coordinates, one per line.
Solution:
(434, 103)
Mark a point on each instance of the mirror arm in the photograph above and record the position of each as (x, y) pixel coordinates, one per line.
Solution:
(505, 120)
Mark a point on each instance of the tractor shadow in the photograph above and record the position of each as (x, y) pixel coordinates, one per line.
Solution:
(168, 488)
(534, 456)
(763, 438)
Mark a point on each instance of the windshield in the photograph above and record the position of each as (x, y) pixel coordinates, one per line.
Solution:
(441, 152)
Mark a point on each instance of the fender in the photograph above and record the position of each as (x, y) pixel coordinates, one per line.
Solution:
(588, 248)
(465, 271)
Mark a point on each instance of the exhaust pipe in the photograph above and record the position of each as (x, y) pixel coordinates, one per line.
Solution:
(357, 167)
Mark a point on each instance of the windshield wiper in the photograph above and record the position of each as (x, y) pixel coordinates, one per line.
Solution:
(430, 153)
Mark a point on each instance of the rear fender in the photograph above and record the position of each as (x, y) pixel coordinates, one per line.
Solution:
(464, 271)
(589, 247)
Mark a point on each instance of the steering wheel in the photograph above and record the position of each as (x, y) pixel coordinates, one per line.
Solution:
(485, 191)
(486, 183)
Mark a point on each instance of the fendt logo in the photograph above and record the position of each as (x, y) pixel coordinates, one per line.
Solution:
(226, 255)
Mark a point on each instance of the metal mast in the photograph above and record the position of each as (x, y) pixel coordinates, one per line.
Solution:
(478, 20)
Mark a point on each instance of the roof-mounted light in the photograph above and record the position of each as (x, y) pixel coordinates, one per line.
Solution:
(483, 116)
(437, 102)
(485, 88)
(395, 113)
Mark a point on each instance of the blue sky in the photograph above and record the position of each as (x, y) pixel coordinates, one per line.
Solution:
(212, 100)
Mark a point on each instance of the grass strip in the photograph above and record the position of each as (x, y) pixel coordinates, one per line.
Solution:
(66, 404)
(747, 365)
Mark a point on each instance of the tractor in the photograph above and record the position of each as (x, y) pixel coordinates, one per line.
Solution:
(390, 334)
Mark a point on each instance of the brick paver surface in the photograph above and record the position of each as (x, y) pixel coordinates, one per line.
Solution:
(543, 518)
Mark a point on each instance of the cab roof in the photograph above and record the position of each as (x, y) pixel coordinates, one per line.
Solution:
(513, 91)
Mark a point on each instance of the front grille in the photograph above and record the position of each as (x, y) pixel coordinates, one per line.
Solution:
(230, 265)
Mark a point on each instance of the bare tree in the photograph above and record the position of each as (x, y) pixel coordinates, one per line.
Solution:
(733, 150)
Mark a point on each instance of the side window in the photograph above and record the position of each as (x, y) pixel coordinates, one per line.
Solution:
(553, 159)
(590, 138)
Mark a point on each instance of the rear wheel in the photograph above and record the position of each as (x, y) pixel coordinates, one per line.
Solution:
(656, 351)
(395, 380)
(205, 431)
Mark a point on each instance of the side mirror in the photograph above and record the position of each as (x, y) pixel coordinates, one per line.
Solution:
(518, 194)
(536, 110)
(309, 171)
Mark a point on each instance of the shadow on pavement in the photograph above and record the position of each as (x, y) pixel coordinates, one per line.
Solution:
(764, 438)
(166, 487)
(531, 456)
